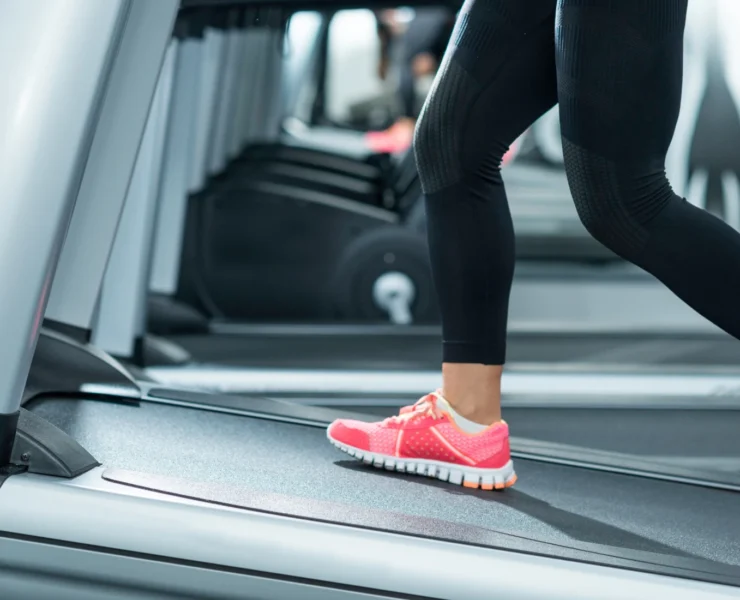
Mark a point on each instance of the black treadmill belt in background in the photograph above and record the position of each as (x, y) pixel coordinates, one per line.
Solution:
(320, 352)
(693, 434)
(551, 504)
(422, 352)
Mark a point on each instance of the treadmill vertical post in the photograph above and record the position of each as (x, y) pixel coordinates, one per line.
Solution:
(85, 255)
(251, 66)
(210, 64)
(260, 93)
(121, 311)
(173, 191)
(222, 25)
(55, 69)
(241, 87)
(265, 128)
(225, 115)
(275, 114)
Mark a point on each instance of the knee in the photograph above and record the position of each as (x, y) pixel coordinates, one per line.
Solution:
(439, 129)
(616, 204)
(426, 133)
(598, 205)
(433, 134)
(446, 151)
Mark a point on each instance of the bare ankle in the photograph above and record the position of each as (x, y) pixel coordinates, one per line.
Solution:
(474, 391)
(471, 412)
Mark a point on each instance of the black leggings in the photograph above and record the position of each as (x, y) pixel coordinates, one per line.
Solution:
(615, 68)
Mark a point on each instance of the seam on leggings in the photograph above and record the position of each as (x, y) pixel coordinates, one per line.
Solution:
(478, 97)
(583, 167)
(452, 69)
(438, 156)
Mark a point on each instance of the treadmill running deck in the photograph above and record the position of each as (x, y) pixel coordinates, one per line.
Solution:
(568, 509)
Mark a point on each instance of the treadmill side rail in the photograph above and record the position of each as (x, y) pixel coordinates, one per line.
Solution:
(70, 573)
(47, 450)
(132, 522)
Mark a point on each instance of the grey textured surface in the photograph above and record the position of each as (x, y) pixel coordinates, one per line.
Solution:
(550, 503)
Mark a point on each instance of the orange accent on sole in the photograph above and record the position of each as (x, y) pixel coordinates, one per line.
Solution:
(507, 484)
(490, 486)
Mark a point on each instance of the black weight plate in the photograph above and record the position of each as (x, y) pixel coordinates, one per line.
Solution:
(380, 251)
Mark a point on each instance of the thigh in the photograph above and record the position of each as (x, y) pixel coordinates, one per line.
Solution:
(506, 47)
(497, 77)
(619, 71)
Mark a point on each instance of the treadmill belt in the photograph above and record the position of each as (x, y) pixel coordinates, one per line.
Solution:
(551, 504)
(423, 352)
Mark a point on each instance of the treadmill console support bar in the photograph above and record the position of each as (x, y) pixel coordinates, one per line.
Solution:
(47, 135)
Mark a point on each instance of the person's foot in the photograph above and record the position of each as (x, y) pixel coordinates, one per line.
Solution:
(397, 138)
(429, 439)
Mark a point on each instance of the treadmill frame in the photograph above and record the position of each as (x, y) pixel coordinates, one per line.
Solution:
(349, 560)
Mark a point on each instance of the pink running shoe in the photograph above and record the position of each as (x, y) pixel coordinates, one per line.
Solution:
(426, 440)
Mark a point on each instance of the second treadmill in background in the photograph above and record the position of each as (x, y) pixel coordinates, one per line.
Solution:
(211, 243)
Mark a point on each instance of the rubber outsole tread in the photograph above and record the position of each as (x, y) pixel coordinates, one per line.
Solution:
(485, 479)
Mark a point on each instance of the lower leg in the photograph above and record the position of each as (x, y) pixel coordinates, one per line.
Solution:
(697, 256)
(497, 78)
(473, 391)
(471, 241)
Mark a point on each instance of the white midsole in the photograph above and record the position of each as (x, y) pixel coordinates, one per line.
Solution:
(457, 474)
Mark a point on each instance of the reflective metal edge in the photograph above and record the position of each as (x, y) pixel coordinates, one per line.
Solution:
(186, 530)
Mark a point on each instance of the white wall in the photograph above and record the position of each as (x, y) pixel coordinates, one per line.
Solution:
(352, 71)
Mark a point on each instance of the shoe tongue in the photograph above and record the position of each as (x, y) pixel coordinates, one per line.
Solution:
(442, 404)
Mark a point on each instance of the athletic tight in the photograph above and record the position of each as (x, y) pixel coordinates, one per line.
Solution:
(615, 68)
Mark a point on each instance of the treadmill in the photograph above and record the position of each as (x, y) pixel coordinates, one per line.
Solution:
(105, 494)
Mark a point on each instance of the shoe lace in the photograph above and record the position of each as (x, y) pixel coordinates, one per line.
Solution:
(426, 406)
